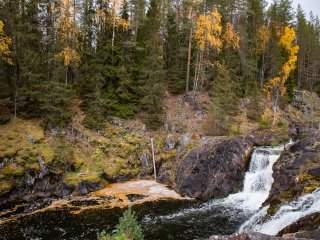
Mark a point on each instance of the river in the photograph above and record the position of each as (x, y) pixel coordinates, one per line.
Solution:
(174, 219)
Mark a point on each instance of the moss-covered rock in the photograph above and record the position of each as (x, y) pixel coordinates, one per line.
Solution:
(74, 178)
(5, 187)
(13, 169)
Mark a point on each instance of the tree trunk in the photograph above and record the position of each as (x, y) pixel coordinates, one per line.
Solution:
(263, 66)
(66, 75)
(189, 61)
(275, 107)
(114, 23)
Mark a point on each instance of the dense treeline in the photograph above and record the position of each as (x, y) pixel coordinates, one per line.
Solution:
(118, 57)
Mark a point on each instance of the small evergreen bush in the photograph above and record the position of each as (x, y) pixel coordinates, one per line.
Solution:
(127, 229)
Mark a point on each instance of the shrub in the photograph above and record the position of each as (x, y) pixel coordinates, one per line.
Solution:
(127, 229)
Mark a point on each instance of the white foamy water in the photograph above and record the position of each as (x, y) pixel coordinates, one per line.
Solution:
(258, 180)
(286, 215)
(256, 187)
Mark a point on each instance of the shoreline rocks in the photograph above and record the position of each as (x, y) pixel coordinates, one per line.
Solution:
(215, 168)
(296, 172)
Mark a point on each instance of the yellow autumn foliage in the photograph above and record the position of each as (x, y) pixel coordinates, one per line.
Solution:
(68, 34)
(208, 31)
(69, 57)
(122, 23)
(263, 38)
(5, 42)
(231, 38)
(288, 44)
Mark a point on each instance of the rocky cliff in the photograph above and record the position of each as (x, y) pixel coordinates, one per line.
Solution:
(215, 168)
(297, 172)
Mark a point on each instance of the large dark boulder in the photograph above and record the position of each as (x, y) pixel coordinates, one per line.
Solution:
(296, 172)
(215, 168)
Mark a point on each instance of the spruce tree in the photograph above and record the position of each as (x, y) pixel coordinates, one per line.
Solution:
(223, 106)
(152, 73)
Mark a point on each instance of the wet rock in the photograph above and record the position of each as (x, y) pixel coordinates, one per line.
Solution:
(185, 141)
(117, 122)
(31, 140)
(307, 235)
(309, 224)
(55, 131)
(31, 179)
(86, 187)
(165, 175)
(253, 236)
(63, 190)
(215, 168)
(296, 172)
(170, 142)
(3, 162)
(44, 169)
(314, 172)
(165, 178)
(145, 158)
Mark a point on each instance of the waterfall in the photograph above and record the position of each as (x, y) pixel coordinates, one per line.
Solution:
(257, 184)
(286, 215)
(258, 180)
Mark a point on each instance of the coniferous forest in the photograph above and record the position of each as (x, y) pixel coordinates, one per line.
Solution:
(200, 117)
(119, 57)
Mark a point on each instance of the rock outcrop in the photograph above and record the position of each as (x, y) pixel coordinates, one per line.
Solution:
(297, 172)
(310, 224)
(215, 168)
(48, 187)
(304, 114)
(259, 236)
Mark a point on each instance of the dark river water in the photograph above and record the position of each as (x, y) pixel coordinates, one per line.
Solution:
(159, 220)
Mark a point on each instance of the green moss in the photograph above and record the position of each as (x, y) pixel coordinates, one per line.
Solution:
(118, 167)
(13, 170)
(132, 139)
(311, 189)
(35, 131)
(5, 187)
(48, 153)
(286, 193)
(306, 177)
(273, 209)
(113, 169)
(7, 152)
(73, 178)
(166, 156)
(265, 124)
(79, 159)
(33, 166)
(30, 154)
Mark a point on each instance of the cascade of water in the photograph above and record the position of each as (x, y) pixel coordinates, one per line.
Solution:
(258, 180)
(286, 215)
(256, 187)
